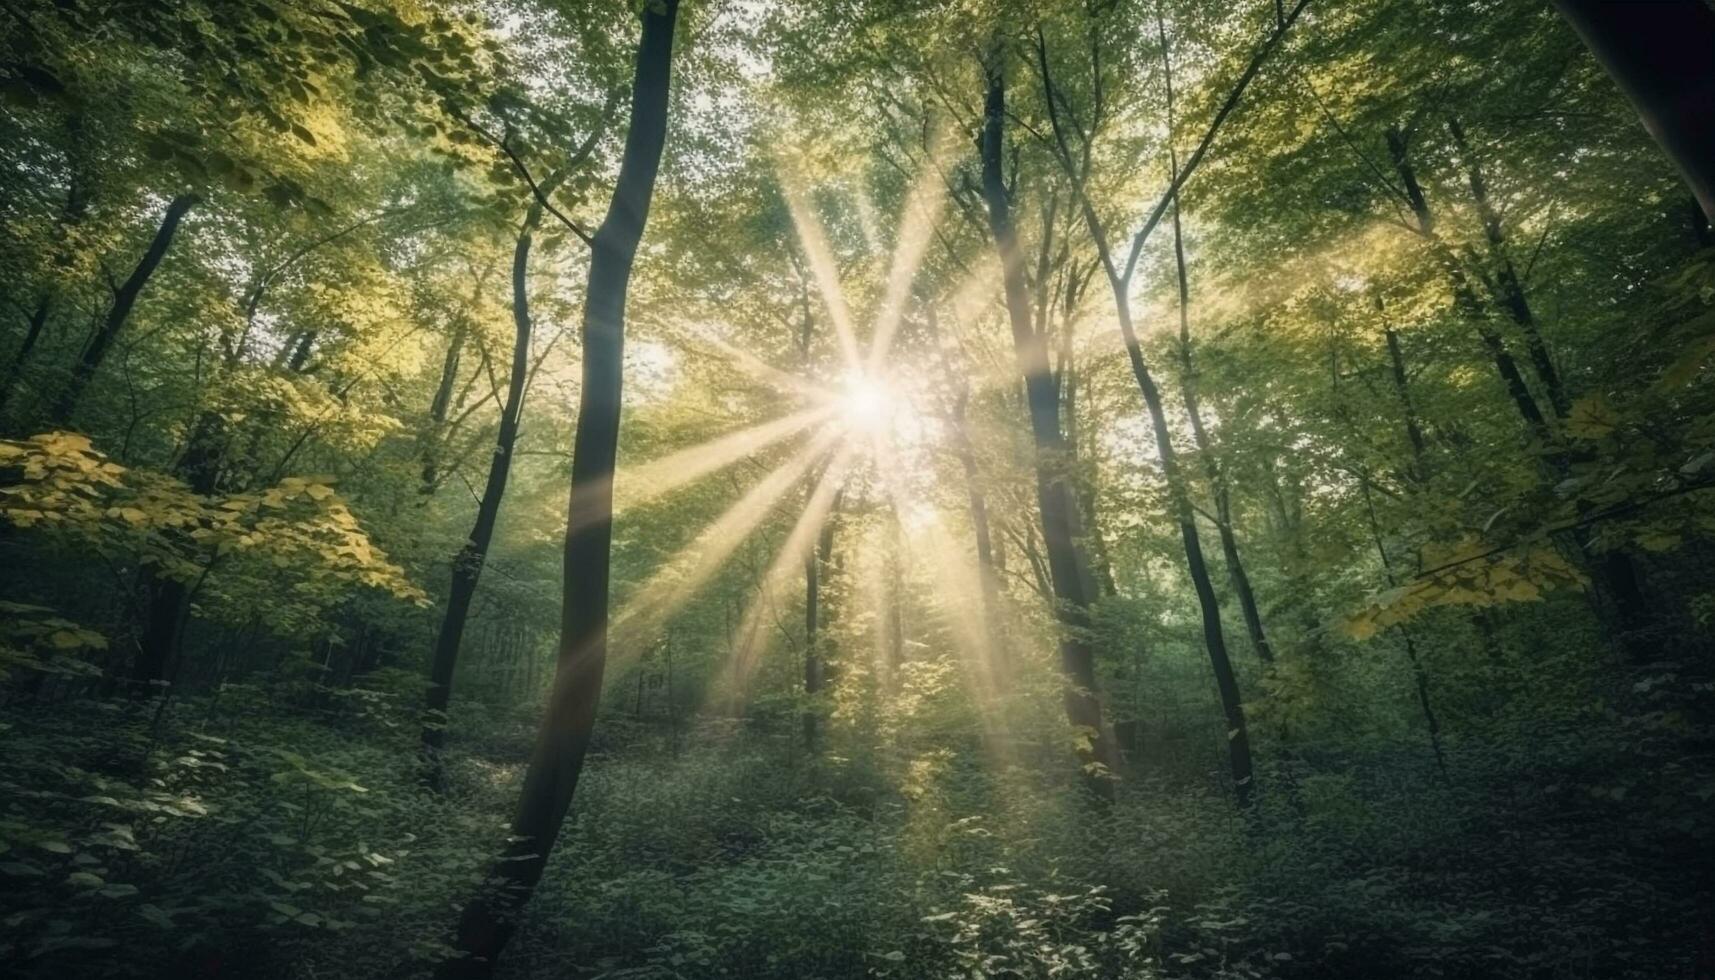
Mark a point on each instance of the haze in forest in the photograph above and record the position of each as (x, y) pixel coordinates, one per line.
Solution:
(621, 489)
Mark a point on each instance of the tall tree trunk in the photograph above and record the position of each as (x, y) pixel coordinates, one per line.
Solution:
(895, 600)
(817, 562)
(1212, 469)
(1419, 675)
(1659, 54)
(443, 400)
(1055, 502)
(124, 298)
(1464, 297)
(1214, 636)
(467, 564)
(564, 737)
(1504, 280)
(982, 527)
(1402, 389)
(1615, 574)
(32, 333)
(75, 209)
(1099, 571)
(167, 600)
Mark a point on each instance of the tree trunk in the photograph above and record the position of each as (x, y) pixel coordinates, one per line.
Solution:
(32, 334)
(982, 527)
(1504, 281)
(467, 565)
(1099, 570)
(1660, 55)
(1211, 467)
(564, 737)
(438, 406)
(1614, 574)
(1419, 675)
(1054, 497)
(815, 563)
(1402, 388)
(1464, 297)
(1214, 637)
(124, 298)
(71, 215)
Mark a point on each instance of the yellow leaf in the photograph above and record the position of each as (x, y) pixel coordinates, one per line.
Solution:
(1592, 418)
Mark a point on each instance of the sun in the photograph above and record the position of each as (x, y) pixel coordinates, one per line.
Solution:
(866, 404)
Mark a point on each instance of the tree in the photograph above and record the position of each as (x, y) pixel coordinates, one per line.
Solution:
(1055, 502)
(563, 739)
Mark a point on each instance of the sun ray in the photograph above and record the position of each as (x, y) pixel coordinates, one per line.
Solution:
(650, 481)
(824, 270)
(677, 582)
(923, 207)
(957, 582)
(786, 564)
(783, 381)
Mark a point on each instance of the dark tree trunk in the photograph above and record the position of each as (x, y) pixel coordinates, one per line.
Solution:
(442, 402)
(1660, 55)
(816, 563)
(564, 737)
(124, 298)
(1504, 281)
(166, 603)
(982, 528)
(1212, 470)
(71, 215)
(32, 334)
(1615, 574)
(1214, 637)
(1402, 388)
(1419, 674)
(1464, 297)
(467, 564)
(1099, 571)
(1054, 497)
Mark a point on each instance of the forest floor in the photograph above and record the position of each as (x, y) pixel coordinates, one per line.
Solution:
(274, 834)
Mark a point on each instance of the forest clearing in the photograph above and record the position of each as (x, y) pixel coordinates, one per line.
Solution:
(914, 489)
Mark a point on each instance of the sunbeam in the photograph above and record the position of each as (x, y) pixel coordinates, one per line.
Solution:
(782, 381)
(823, 269)
(922, 211)
(788, 563)
(677, 582)
(649, 481)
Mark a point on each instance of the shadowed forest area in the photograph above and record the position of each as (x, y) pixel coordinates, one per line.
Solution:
(915, 489)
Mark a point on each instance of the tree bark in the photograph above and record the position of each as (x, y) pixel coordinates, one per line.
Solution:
(124, 299)
(467, 564)
(1054, 498)
(32, 333)
(816, 562)
(71, 215)
(1660, 55)
(1402, 388)
(1212, 469)
(564, 737)
(439, 405)
(1214, 636)
(1614, 573)
(1504, 281)
(1464, 297)
(982, 527)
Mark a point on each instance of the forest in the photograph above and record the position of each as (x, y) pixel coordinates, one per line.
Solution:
(806, 490)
